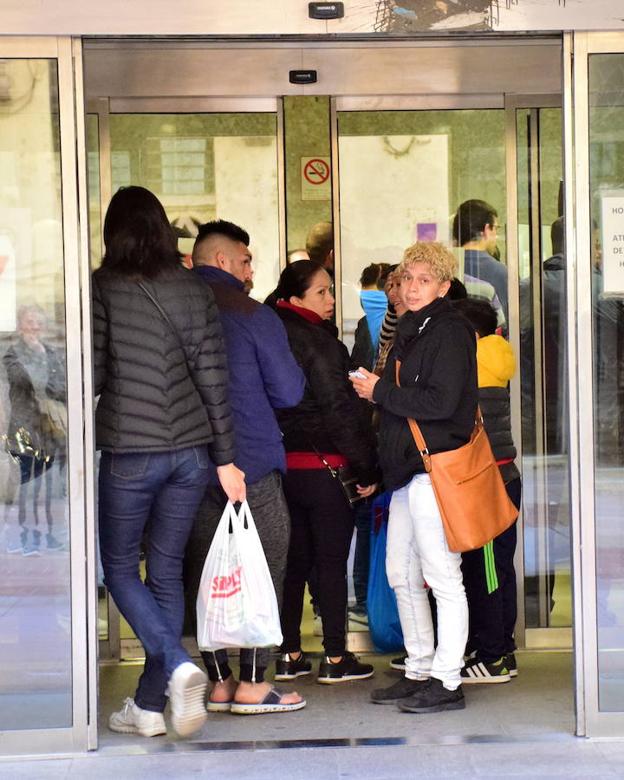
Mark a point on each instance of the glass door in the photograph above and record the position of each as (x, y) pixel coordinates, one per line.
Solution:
(402, 175)
(45, 704)
(220, 160)
(537, 232)
(598, 93)
(205, 165)
(511, 158)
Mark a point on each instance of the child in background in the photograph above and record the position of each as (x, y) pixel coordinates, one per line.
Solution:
(493, 615)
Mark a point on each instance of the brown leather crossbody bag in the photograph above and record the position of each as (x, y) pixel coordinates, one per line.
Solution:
(468, 487)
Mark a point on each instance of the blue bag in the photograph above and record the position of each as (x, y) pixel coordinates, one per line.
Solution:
(383, 614)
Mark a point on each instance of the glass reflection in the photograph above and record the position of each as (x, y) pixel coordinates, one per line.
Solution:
(203, 167)
(35, 624)
(544, 389)
(606, 137)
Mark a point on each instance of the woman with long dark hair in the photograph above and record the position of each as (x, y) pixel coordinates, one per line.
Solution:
(327, 430)
(161, 374)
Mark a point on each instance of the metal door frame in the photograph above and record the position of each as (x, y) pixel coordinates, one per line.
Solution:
(559, 637)
(578, 48)
(82, 734)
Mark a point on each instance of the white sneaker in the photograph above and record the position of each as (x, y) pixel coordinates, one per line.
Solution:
(134, 720)
(357, 622)
(187, 696)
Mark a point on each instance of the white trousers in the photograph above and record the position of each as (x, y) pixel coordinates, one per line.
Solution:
(416, 554)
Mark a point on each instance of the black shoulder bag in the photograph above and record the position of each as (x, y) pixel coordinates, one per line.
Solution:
(345, 476)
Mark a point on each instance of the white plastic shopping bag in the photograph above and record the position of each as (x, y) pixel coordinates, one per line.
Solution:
(236, 601)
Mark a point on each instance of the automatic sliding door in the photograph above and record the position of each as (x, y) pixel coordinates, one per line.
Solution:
(35, 653)
(599, 211)
(43, 621)
(201, 166)
(402, 176)
(542, 273)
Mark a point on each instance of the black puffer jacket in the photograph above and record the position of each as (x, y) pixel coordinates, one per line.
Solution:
(26, 411)
(148, 402)
(330, 416)
(437, 349)
(494, 403)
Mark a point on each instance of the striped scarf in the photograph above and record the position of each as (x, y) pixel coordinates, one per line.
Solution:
(386, 340)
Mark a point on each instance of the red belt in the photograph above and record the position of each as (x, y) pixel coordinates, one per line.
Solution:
(310, 460)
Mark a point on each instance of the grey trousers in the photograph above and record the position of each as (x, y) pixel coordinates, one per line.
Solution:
(270, 513)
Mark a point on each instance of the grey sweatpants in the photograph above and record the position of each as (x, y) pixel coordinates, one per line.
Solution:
(270, 513)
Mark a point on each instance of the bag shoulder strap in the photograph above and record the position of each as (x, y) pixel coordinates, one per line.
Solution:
(415, 428)
(162, 312)
(332, 471)
(417, 433)
(172, 327)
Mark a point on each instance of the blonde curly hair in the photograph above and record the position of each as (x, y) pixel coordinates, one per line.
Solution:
(439, 258)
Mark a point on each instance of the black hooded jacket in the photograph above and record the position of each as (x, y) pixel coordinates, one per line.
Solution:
(437, 350)
(330, 417)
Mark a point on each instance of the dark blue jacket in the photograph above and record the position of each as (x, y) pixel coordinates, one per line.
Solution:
(263, 374)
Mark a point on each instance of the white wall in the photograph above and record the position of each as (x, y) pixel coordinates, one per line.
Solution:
(376, 225)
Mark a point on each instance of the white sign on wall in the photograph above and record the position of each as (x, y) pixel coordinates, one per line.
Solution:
(17, 261)
(315, 178)
(613, 244)
(246, 194)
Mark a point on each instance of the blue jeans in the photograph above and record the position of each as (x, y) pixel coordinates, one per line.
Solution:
(158, 493)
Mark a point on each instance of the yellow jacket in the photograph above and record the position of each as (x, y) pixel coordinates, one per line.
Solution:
(496, 363)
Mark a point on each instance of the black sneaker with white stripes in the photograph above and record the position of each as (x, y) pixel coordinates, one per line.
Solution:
(477, 671)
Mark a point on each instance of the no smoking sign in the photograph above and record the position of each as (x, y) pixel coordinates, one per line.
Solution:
(315, 178)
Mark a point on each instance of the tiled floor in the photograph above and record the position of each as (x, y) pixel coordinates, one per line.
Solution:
(538, 702)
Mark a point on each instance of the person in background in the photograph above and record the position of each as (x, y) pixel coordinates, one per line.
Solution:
(457, 290)
(320, 245)
(475, 228)
(375, 304)
(319, 248)
(327, 430)
(263, 376)
(36, 376)
(493, 614)
(388, 326)
(297, 254)
(163, 414)
(484, 291)
(397, 308)
(436, 349)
